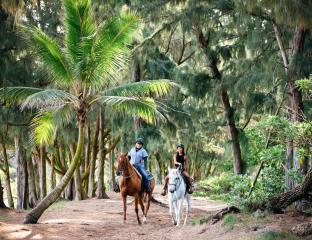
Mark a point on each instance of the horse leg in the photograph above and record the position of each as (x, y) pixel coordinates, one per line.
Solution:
(124, 199)
(171, 210)
(174, 214)
(136, 199)
(188, 207)
(178, 211)
(149, 198)
(142, 207)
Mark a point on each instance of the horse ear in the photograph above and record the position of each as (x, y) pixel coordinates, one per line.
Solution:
(169, 169)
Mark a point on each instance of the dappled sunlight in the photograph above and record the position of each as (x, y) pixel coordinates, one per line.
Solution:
(12, 231)
(71, 220)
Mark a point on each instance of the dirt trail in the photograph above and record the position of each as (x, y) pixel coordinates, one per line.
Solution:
(102, 219)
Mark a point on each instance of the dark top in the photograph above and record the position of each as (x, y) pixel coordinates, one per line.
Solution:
(180, 159)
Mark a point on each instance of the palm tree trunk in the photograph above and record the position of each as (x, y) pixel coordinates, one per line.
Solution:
(7, 174)
(35, 214)
(93, 160)
(100, 193)
(42, 173)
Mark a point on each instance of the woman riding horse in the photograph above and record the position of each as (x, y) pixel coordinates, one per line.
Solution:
(180, 158)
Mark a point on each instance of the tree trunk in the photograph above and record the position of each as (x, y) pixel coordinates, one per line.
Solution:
(111, 165)
(100, 193)
(93, 159)
(35, 214)
(87, 149)
(136, 78)
(7, 174)
(77, 178)
(31, 183)
(228, 110)
(160, 173)
(2, 205)
(21, 172)
(42, 173)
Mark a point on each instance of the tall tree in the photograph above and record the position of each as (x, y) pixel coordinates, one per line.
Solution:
(85, 72)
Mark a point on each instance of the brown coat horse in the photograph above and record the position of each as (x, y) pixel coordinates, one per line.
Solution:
(130, 185)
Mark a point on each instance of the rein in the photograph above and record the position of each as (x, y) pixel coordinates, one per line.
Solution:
(124, 168)
(177, 183)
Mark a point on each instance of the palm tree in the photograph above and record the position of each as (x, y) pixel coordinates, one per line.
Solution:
(84, 71)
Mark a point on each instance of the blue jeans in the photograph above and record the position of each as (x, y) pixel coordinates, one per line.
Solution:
(145, 178)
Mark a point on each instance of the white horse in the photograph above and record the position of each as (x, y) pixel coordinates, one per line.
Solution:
(176, 195)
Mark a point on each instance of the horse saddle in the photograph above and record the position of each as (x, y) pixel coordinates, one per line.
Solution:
(149, 174)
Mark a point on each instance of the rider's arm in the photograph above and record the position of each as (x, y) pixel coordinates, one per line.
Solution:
(175, 159)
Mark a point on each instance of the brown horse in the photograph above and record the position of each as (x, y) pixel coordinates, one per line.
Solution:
(130, 185)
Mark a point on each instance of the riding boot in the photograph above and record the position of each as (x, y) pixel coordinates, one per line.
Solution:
(165, 189)
(190, 187)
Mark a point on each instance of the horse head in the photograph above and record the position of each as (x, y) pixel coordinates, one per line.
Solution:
(122, 162)
(174, 179)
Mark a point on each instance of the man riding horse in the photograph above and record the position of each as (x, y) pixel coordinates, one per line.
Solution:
(138, 156)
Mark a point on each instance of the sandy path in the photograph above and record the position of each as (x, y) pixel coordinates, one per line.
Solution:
(102, 219)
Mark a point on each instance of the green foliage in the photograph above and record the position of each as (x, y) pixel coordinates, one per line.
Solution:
(272, 235)
(229, 221)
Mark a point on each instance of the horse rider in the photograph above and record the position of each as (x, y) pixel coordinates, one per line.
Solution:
(137, 157)
(180, 158)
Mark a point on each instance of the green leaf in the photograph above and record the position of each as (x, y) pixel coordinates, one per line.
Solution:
(155, 88)
(43, 128)
(144, 107)
(51, 55)
(111, 48)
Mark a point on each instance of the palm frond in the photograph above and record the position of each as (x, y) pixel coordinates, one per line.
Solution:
(17, 94)
(111, 50)
(49, 53)
(80, 32)
(49, 99)
(155, 88)
(43, 128)
(144, 107)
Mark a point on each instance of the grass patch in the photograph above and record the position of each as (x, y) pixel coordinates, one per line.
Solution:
(229, 221)
(271, 235)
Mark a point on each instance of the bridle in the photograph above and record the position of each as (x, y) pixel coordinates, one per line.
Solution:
(124, 168)
(177, 182)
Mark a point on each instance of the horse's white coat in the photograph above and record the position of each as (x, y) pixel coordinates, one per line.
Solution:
(176, 195)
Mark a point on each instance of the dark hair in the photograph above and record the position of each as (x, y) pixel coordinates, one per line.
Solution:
(183, 153)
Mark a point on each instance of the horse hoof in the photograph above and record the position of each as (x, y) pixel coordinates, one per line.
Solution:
(144, 220)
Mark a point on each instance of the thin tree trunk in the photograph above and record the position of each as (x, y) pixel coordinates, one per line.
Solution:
(2, 205)
(111, 165)
(87, 149)
(31, 183)
(77, 178)
(228, 110)
(21, 172)
(7, 174)
(93, 159)
(100, 193)
(35, 214)
(42, 172)
(160, 173)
